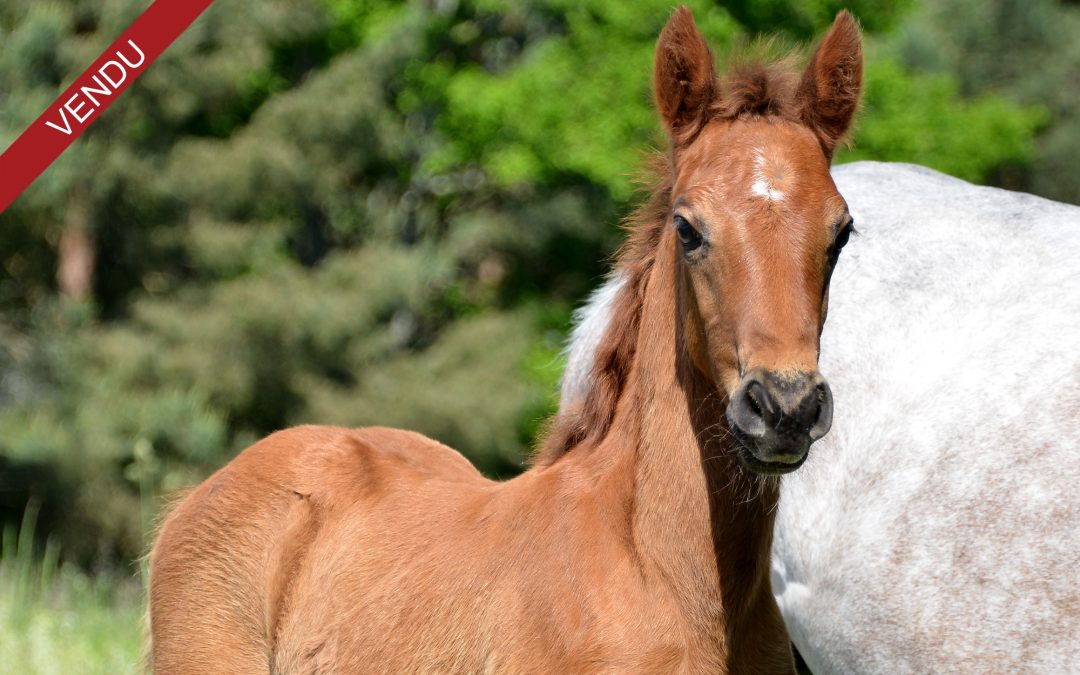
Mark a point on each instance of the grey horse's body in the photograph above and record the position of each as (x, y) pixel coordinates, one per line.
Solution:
(937, 527)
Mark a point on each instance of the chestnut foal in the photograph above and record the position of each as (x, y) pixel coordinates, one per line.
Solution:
(639, 541)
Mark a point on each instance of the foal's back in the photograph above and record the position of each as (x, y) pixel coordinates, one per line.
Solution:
(283, 515)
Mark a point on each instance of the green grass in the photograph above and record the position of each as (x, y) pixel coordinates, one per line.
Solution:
(58, 619)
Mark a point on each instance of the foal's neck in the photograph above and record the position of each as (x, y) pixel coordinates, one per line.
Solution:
(700, 524)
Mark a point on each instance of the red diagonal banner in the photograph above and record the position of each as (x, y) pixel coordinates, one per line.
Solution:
(93, 92)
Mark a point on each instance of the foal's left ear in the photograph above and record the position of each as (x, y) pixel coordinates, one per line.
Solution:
(830, 87)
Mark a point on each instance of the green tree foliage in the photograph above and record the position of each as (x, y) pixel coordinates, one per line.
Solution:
(805, 19)
(1025, 51)
(354, 212)
(902, 120)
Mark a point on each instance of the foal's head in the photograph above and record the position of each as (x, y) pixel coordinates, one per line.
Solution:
(756, 225)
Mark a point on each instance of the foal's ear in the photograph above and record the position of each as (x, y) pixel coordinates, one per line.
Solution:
(684, 77)
(830, 87)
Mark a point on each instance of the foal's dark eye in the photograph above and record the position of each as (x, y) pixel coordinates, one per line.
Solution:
(689, 237)
(841, 240)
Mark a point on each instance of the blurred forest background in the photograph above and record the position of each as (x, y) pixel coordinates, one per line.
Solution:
(359, 211)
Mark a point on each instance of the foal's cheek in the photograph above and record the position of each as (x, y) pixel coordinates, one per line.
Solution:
(716, 351)
(693, 328)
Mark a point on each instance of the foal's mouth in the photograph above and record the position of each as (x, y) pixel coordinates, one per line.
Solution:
(750, 461)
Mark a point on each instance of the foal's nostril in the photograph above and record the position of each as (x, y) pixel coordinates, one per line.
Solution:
(818, 400)
(822, 420)
(749, 409)
(761, 403)
(754, 407)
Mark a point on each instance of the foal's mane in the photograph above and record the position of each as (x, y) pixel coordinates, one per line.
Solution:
(753, 87)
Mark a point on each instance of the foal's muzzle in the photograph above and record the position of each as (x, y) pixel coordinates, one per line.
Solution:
(777, 417)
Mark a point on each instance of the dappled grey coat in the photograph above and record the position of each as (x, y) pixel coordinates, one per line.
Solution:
(937, 527)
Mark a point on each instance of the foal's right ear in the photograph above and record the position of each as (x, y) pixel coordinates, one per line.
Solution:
(684, 77)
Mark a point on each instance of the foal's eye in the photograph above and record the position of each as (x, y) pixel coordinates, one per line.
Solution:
(689, 237)
(841, 240)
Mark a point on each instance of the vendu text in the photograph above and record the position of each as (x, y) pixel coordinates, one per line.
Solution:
(112, 73)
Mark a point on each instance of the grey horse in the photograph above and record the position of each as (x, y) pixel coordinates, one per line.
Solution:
(936, 528)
